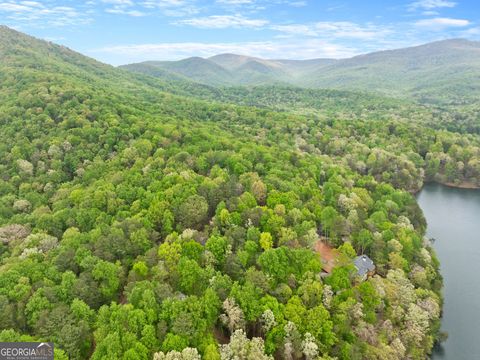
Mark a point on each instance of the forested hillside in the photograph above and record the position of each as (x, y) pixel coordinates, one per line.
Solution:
(444, 72)
(441, 72)
(139, 222)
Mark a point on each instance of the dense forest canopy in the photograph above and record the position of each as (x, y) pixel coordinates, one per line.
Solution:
(144, 218)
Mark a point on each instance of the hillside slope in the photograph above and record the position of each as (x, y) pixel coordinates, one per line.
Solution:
(195, 68)
(445, 71)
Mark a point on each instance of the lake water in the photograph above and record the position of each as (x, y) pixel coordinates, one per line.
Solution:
(453, 217)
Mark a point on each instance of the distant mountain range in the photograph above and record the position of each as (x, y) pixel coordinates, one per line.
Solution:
(440, 72)
(233, 70)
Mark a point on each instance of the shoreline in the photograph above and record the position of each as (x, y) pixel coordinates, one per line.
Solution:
(463, 185)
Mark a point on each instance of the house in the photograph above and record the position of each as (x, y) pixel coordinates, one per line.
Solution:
(364, 266)
(332, 258)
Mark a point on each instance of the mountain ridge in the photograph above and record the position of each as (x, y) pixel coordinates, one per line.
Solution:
(423, 72)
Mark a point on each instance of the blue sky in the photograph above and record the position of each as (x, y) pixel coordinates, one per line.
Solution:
(125, 31)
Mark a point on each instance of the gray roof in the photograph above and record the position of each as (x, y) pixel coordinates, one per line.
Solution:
(363, 264)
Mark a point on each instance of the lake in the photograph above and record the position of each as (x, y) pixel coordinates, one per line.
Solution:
(453, 217)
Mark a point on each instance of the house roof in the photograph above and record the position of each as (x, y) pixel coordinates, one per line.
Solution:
(363, 264)
(328, 255)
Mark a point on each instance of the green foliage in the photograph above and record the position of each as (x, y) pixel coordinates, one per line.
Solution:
(136, 222)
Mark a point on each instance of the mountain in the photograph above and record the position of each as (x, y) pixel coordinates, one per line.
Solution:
(234, 62)
(231, 70)
(443, 72)
(299, 68)
(226, 70)
(139, 220)
(253, 70)
(194, 68)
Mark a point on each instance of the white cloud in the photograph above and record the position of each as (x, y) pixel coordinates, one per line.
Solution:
(224, 21)
(163, 3)
(32, 3)
(431, 4)
(174, 8)
(439, 23)
(305, 49)
(122, 11)
(472, 33)
(122, 7)
(296, 29)
(11, 7)
(298, 3)
(119, 2)
(235, 2)
(257, 5)
(340, 29)
(45, 14)
(430, 13)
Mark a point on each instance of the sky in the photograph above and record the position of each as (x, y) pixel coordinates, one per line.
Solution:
(126, 31)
